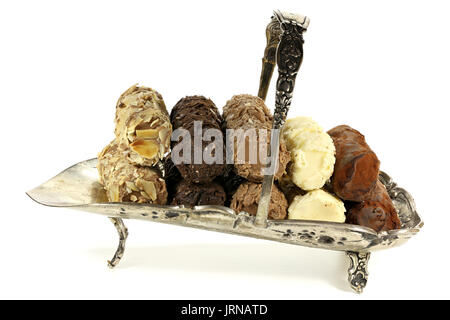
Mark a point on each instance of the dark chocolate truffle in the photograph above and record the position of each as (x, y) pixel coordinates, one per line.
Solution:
(195, 108)
(183, 115)
(191, 195)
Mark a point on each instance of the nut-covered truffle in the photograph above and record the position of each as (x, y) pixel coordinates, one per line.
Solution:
(377, 212)
(247, 196)
(356, 169)
(125, 182)
(142, 122)
(191, 195)
(251, 121)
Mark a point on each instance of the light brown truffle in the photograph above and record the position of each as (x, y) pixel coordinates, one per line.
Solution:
(125, 182)
(247, 196)
(143, 124)
(246, 112)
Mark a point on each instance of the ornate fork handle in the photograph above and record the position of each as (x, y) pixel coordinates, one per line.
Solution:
(289, 58)
(273, 33)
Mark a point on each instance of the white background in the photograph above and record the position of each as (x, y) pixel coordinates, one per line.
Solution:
(380, 66)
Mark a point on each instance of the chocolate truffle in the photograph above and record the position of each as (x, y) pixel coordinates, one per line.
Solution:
(376, 212)
(230, 182)
(143, 125)
(356, 169)
(246, 112)
(184, 114)
(195, 108)
(125, 182)
(247, 196)
(191, 195)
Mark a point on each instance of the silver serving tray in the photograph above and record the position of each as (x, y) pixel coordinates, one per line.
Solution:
(78, 188)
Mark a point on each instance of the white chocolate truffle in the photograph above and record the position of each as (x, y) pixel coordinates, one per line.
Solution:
(312, 153)
(317, 205)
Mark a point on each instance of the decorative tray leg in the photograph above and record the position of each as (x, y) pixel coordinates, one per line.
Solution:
(123, 235)
(357, 273)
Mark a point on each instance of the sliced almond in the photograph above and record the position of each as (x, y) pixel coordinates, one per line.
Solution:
(131, 185)
(150, 115)
(147, 133)
(162, 151)
(154, 123)
(146, 148)
(163, 134)
(149, 188)
(130, 100)
(114, 194)
(144, 195)
(139, 183)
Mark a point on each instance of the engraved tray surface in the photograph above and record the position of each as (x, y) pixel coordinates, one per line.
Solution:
(78, 188)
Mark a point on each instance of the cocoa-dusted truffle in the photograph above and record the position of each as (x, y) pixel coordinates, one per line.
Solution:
(248, 112)
(377, 212)
(247, 196)
(357, 167)
(191, 195)
(184, 114)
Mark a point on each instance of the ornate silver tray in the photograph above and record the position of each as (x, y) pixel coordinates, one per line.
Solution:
(78, 188)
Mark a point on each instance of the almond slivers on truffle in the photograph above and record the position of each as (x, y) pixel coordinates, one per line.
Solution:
(143, 124)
